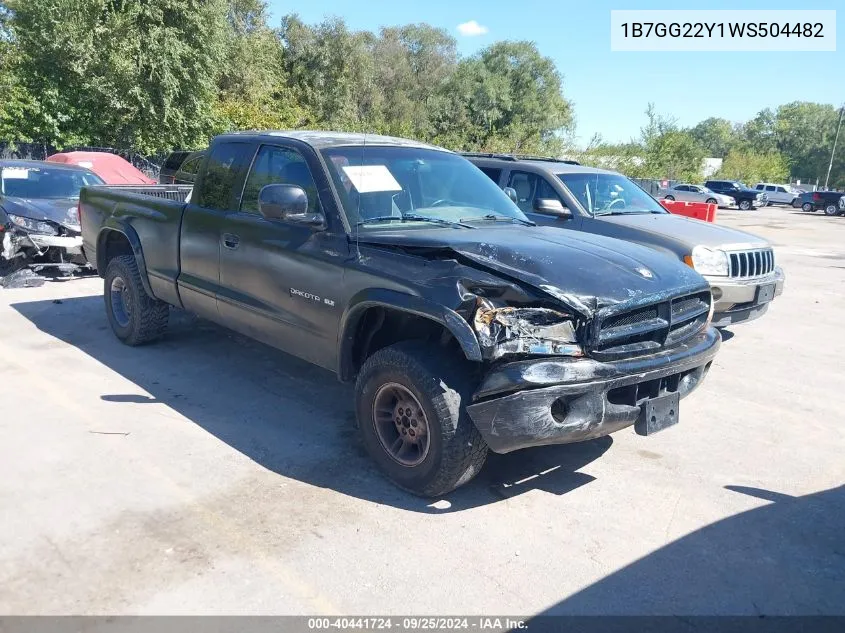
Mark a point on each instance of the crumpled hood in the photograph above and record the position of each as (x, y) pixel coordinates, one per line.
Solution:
(682, 230)
(59, 210)
(587, 272)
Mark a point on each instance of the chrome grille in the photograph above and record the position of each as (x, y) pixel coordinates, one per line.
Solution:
(649, 328)
(752, 263)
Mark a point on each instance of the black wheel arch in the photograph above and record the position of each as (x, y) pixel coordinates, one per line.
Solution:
(368, 311)
(119, 238)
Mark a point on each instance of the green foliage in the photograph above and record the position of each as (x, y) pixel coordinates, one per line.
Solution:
(662, 151)
(716, 136)
(752, 167)
(507, 98)
(127, 73)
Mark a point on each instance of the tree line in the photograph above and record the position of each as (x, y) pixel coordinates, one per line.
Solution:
(156, 75)
(153, 75)
(793, 142)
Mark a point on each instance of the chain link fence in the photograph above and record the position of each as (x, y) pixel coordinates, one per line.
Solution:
(149, 165)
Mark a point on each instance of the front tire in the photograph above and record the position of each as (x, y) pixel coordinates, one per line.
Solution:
(410, 404)
(711, 201)
(745, 205)
(831, 209)
(672, 198)
(135, 317)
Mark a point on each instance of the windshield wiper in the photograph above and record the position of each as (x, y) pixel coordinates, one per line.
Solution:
(411, 217)
(491, 217)
(632, 212)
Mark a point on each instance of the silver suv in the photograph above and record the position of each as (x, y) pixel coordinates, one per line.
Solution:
(740, 267)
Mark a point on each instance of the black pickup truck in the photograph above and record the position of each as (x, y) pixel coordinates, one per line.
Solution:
(402, 266)
(744, 197)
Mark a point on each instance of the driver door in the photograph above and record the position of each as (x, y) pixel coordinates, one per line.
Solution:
(279, 280)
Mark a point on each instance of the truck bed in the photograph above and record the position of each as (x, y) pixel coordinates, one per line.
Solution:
(147, 214)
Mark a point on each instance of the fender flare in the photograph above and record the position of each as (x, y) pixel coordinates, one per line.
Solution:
(395, 300)
(113, 225)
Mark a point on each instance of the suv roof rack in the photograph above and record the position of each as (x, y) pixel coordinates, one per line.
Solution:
(515, 157)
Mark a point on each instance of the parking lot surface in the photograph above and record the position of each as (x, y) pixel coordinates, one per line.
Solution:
(210, 474)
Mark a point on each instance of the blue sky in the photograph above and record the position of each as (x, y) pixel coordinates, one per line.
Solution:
(611, 90)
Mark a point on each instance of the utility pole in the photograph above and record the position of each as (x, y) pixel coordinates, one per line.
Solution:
(833, 151)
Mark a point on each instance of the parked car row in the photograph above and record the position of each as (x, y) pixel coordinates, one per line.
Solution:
(724, 193)
(831, 202)
(401, 266)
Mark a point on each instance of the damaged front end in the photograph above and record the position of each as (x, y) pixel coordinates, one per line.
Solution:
(40, 244)
(524, 330)
(557, 376)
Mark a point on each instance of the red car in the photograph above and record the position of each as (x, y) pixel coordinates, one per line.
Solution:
(113, 169)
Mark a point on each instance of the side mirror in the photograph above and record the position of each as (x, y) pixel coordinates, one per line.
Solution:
(550, 206)
(511, 193)
(288, 203)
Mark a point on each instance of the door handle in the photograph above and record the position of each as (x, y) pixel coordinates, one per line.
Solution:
(231, 241)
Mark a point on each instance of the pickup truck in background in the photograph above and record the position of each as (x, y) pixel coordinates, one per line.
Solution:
(745, 198)
(401, 266)
(831, 202)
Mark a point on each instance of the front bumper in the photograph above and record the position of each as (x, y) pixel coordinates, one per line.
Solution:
(564, 400)
(72, 245)
(739, 300)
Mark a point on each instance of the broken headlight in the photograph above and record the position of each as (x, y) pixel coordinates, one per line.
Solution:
(510, 330)
(33, 226)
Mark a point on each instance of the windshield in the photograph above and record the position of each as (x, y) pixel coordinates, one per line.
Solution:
(387, 187)
(44, 182)
(606, 194)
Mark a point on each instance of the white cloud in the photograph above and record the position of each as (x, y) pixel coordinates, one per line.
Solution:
(471, 29)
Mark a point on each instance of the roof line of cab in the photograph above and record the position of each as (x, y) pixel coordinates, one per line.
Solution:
(322, 139)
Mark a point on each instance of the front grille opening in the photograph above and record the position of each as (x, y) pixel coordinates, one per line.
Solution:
(635, 395)
(631, 318)
(753, 263)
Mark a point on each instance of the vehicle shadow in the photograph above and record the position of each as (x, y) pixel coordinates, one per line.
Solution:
(783, 558)
(727, 335)
(289, 416)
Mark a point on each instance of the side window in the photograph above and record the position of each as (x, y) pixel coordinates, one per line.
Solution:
(770, 188)
(492, 173)
(191, 165)
(781, 190)
(760, 187)
(225, 165)
(278, 165)
(681, 188)
(525, 185)
(546, 192)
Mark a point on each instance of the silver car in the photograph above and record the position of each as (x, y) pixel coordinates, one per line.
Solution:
(696, 193)
(741, 268)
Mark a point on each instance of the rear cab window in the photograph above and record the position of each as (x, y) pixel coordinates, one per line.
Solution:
(225, 171)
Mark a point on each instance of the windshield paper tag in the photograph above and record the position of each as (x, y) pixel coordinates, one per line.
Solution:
(371, 178)
(15, 173)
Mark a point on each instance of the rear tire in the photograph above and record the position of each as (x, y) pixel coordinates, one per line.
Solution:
(135, 317)
(807, 207)
(672, 198)
(745, 205)
(436, 388)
